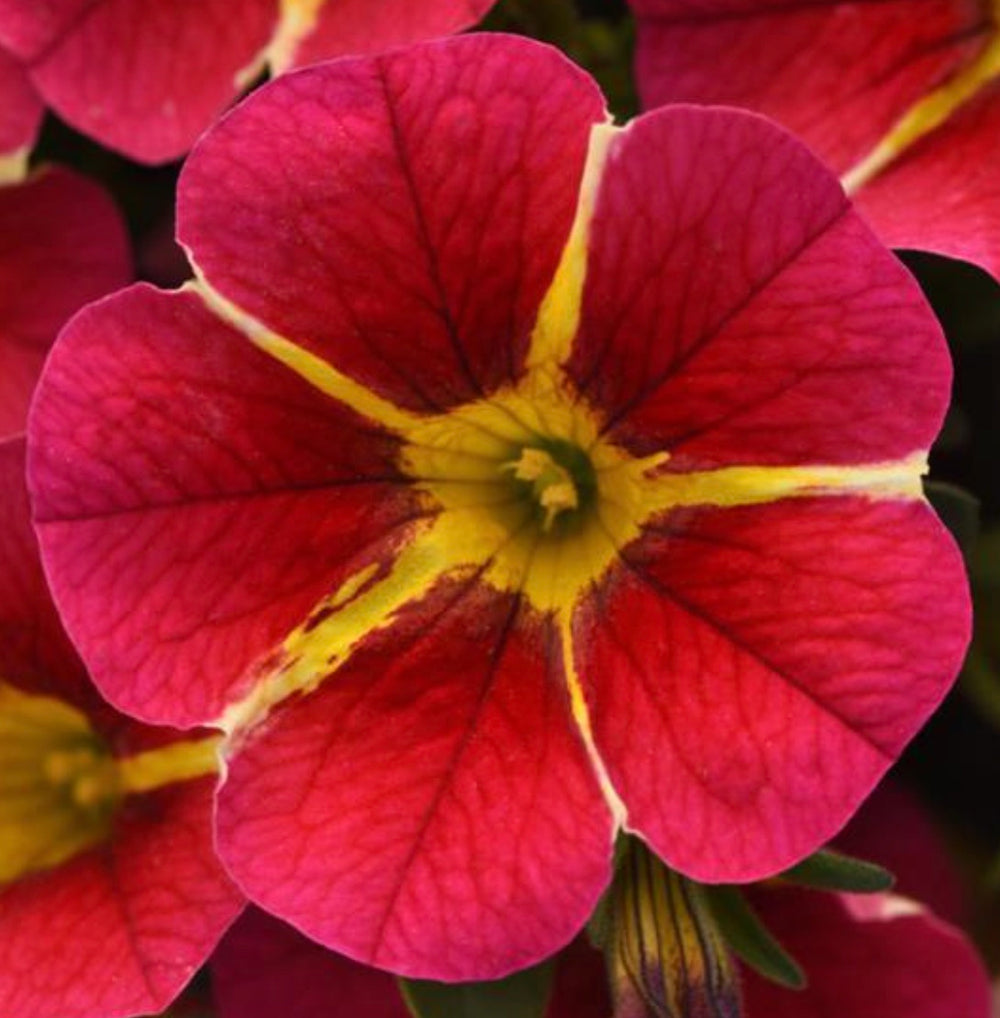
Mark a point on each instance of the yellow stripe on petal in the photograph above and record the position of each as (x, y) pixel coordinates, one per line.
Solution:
(298, 19)
(930, 112)
(14, 166)
(559, 315)
(170, 764)
(314, 370)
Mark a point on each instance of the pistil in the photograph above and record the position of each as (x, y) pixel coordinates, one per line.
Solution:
(551, 483)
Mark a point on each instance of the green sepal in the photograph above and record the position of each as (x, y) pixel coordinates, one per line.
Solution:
(959, 511)
(832, 871)
(524, 994)
(750, 940)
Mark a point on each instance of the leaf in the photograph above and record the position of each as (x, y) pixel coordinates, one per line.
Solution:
(750, 940)
(525, 994)
(832, 871)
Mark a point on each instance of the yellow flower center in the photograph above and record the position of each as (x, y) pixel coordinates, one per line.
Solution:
(61, 786)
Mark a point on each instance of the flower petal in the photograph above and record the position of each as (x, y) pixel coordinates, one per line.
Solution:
(264, 968)
(359, 26)
(142, 78)
(190, 522)
(877, 957)
(838, 74)
(64, 245)
(942, 195)
(400, 217)
(431, 809)
(20, 112)
(736, 311)
(134, 920)
(751, 672)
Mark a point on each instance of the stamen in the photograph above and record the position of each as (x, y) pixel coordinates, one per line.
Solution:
(551, 482)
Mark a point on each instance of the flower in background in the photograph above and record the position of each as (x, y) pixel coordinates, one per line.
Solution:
(64, 244)
(489, 511)
(902, 99)
(110, 893)
(146, 77)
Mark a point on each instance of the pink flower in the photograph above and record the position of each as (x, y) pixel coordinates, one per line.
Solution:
(110, 893)
(903, 99)
(505, 479)
(146, 77)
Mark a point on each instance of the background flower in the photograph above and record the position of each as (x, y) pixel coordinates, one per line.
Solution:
(111, 895)
(146, 77)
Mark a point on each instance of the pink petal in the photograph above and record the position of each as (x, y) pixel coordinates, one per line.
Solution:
(119, 930)
(737, 311)
(839, 74)
(753, 671)
(417, 264)
(943, 195)
(20, 108)
(868, 958)
(431, 809)
(263, 968)
(144, 78)
(190, 522)
(64, 245)
(360, 26)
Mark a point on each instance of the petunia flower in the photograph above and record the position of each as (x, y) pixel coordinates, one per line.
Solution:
(110, 894)
(902, 99)
(62, 244)
(505, 479)
(146, 77)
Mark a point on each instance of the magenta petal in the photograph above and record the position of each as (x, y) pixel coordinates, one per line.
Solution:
(264, 968)
(877, 957)
(838, 74)
(64, 245)
(120, 930)
(944, 194)
(144, 78)
(417, 264)
(360, 26)
(738, 311)
(431, 809)
(752, 672)
(191, 522)
(20, 107)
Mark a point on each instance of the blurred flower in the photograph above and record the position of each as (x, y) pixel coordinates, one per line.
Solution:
(110, 894)
(146, 77)
(903, 99)
(62, 244)
(596, 506)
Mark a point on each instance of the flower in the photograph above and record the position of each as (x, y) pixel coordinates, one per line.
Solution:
(110, 893)
(903, 99)
(64, 244)
(488, 512)
(146, 77)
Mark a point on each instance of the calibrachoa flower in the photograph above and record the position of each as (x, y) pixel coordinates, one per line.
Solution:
(110, 894)
(505, 479)
(62, 244)
(903, 99)
(146, 77)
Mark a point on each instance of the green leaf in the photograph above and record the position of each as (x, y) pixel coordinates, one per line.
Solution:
(750, 940)
(525, 994)
(958, 509)
(832, 871)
